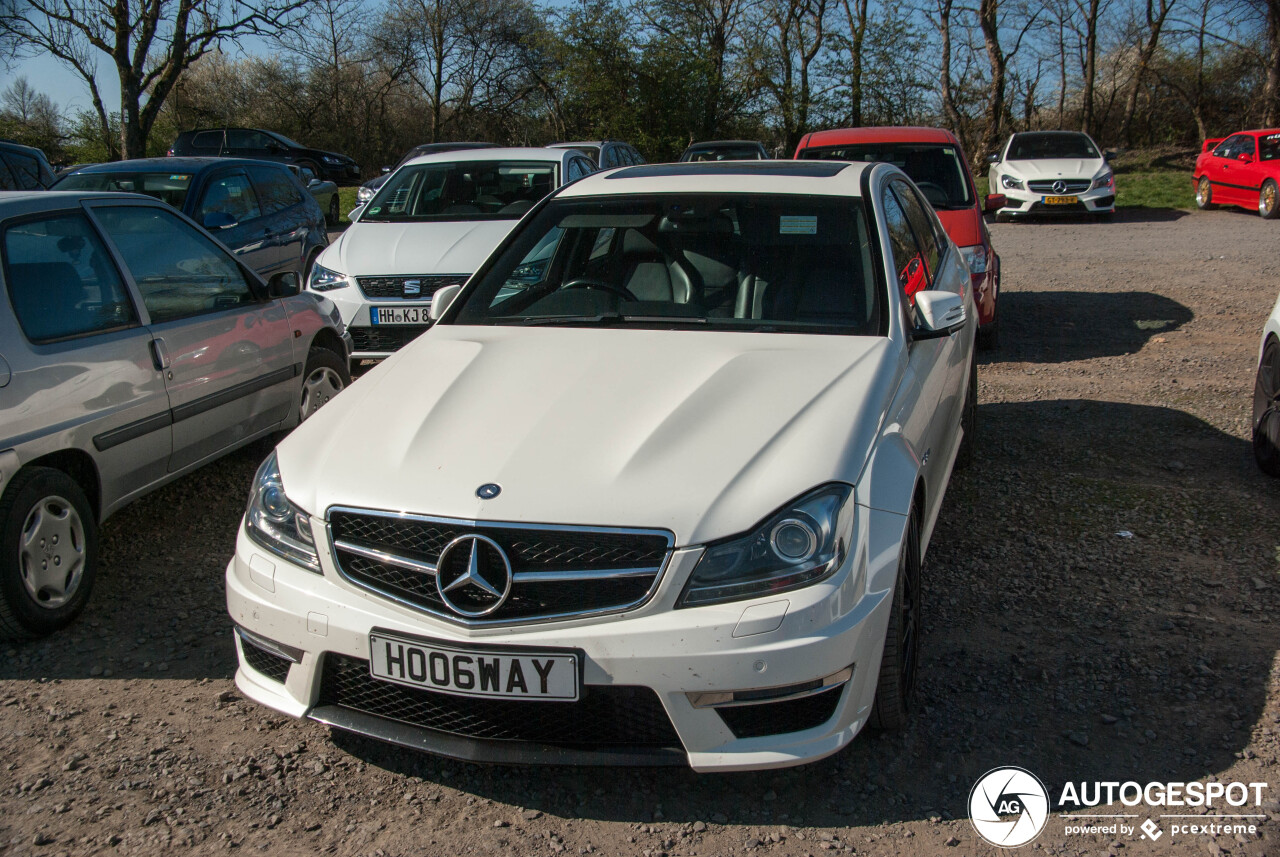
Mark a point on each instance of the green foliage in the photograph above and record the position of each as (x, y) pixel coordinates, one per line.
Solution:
(1167, 189)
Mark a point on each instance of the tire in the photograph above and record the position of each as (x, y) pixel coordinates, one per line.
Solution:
(1204, 194)
(325, 376)
(334, 215)
(989, 336)
(1269, 200)
(969, 420)
(1266, 410)
(45, 519)
(896, 685)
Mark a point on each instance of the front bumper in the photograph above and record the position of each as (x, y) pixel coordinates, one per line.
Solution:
(688, 660)
(1028, 202)
(369, 341)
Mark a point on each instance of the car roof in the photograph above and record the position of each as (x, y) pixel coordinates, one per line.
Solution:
(31, 150)
(881, 134)
(190, 164)
(1258, 131)
(707, 144)
(17, 203)
(821, 178)
(596, 143)
(511, 153)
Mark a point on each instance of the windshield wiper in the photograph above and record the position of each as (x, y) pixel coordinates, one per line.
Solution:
(606, 318)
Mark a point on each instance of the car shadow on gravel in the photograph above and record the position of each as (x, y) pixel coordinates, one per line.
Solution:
(1058, 327)
(158, 609)
(1093, 613)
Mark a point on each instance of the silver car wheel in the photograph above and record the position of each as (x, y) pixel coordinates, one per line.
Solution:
(51, 552)
(320, 386)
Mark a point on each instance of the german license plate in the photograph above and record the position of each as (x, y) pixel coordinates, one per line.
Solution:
(498, 673)
(1061, 200)
(399, 315)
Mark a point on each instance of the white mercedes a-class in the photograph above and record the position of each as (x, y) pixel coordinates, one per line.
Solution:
(656, 486)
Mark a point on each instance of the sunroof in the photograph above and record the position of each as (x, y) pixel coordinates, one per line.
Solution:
(805, 169)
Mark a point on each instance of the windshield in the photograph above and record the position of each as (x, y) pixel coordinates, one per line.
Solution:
(777, 264)
(935, 168)
(462, 190)
(1269, 147)
(166, 187)
(1044, 145)
(724, 153)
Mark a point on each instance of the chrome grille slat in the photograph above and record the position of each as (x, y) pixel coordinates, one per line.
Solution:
(1072, 185)
(558, 572)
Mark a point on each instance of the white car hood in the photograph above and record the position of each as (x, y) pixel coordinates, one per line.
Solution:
(701, 433)
(451, 247)
(1055, 168)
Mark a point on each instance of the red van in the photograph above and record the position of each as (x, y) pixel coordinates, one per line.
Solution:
(934, 160)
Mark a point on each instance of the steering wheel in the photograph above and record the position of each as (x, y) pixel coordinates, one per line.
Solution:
(589, 283)
(933, 192)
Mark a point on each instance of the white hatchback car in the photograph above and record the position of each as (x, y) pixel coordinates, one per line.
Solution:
(1053, 172)
(432, 223)
(660, 493)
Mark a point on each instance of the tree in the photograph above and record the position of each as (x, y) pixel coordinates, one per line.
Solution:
(149, 43)
(1157, 12)
(785, 55)
(30, 117)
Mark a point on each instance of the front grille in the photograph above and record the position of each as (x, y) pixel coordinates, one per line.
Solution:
(385, 338)
(272, 666)
(603, 716)
(1072, 185)
(777, 718)
(393, 287)
(556, 572)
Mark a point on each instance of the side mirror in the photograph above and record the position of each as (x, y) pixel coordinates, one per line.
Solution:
(1245, 158)
(219, 220)
(939, 313)
(386, 170)
(440, 301)
(1108, 156)
(994, 202)
(312, 182)
(993, 159)
(283, 285)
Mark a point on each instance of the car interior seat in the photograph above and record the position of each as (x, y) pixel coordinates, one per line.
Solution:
(648, 274)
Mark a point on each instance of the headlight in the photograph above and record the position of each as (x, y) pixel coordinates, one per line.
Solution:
(799, 545)
(274, 523)
(325, 280)
(976, 256)
(330, 159)
(364, 194)
(1011, 183)
(1104, 180)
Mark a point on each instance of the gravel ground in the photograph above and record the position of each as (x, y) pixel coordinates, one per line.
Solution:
(1118, 403)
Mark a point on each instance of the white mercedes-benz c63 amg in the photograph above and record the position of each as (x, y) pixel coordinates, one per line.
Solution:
(655, 487)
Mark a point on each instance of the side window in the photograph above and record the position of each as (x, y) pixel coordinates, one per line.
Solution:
(1245, 146)
(1226, 149)
(921, 223)
(231, 194)
(207, 140)
(6, 178)
(274, 190)
(636, 157)
(25, 169)
(179, 272)
(908, 262)
(61, 280)
(577, 169)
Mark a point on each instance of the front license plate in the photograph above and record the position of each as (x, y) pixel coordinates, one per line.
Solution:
(1061, 200)
(551, 675)
(399, 315)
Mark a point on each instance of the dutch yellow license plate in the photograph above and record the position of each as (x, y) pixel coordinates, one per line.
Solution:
(1061, 200)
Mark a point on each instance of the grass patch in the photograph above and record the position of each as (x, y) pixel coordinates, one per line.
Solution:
(1165, 189)
(346, 202)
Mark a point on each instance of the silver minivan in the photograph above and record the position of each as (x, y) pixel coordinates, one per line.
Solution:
(134, 348)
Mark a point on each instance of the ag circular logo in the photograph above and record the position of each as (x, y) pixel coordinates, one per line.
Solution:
(1009, 806)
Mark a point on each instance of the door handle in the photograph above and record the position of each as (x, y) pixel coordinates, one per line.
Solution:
(159, 354)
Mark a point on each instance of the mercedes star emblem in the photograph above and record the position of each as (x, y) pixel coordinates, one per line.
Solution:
(473, 576)
(1059, 187)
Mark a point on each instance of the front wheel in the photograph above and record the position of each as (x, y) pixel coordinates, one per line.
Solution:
(896, 685)
(326, 376)
(1266, 411)
(48, 553)
(1204, 194)
(1269, 200)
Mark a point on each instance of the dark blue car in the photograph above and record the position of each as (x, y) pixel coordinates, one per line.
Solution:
(257, 209)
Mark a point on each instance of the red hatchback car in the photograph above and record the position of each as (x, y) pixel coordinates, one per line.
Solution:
(934, 160)
(1243, 170)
